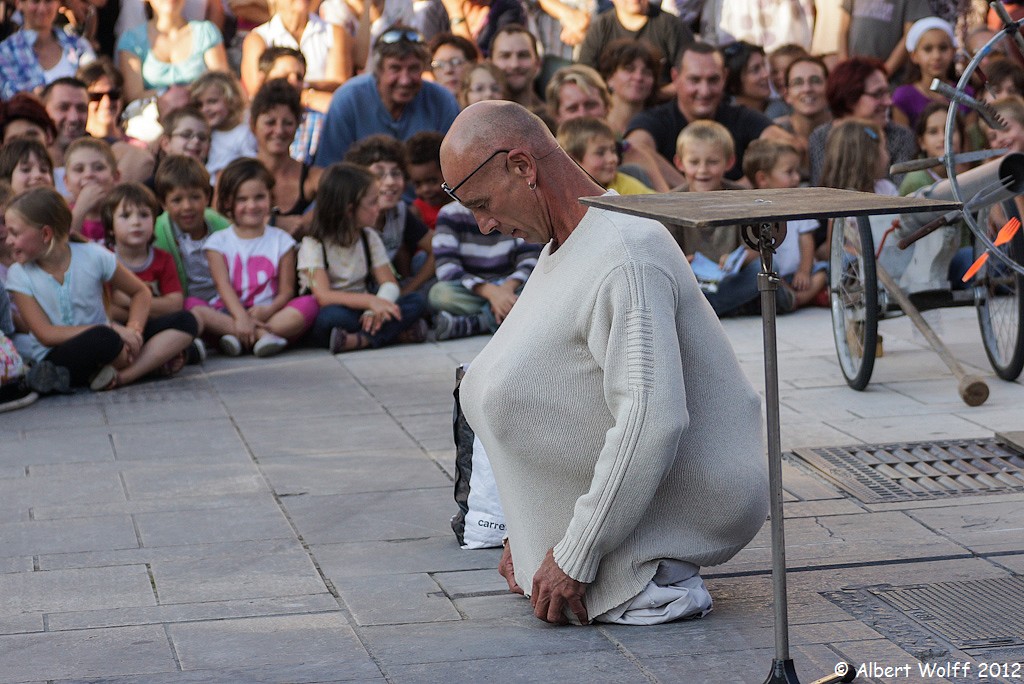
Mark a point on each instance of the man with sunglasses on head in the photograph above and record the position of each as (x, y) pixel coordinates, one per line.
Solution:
(624, 437)
(393, 100)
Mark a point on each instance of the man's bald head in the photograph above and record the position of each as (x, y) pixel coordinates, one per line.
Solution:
(484, 127)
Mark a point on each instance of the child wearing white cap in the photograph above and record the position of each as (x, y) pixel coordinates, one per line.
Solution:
(932, 49)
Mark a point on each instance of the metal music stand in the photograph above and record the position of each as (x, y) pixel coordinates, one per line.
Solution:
(762, 214)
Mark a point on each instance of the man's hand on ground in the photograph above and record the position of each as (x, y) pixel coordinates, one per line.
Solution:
(553, 590)
(508, 571)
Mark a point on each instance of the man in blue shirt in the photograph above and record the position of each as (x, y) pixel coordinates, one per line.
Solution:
(394, 99)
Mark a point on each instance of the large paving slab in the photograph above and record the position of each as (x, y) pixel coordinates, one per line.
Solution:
(286, 520)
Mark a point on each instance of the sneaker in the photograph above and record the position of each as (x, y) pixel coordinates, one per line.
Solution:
(230, 345)
(268, 345)
(785, 300)
(16, 395)
(195, 353)
(448, 326)
(105, 379)
(45, 377)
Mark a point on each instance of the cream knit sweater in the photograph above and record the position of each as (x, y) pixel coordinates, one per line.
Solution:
(619, 425)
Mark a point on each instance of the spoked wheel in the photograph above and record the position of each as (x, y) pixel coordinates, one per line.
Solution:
(999, 297)
(853, 294)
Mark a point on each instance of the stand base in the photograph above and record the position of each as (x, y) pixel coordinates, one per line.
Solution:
(783, 672)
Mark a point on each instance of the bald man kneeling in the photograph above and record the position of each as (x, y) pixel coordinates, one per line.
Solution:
(625, 439)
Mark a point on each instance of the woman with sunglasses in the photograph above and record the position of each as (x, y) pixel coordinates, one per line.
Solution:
(859, 89)
(326, 47)
(167, 51)
(105, 89)
(39, 53)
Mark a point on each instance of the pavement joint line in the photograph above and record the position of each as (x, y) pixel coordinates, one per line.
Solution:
(152, 582)
(628, 655)
(170, 644)
(844, 566)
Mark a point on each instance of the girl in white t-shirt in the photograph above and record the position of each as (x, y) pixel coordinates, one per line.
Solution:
(57, 286)
(344, 263)
(253, 266)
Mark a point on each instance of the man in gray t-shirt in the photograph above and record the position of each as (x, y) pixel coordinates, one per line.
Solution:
(878, 28)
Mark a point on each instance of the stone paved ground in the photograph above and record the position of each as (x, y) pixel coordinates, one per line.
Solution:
(286, 520)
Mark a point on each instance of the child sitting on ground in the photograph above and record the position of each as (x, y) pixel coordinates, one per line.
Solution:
(90, 174)
(218, 95)
(773, 164)
(253, 266)
(344, 263)
(25, 163)
(424, 150)
(73, 342)
(128, 214)
(704, 152)
(479, 276)
(406, 238)
(186, 132)
(856, 158)
(591, 142)
(183, 185)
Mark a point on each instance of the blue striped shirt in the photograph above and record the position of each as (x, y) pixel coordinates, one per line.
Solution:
(464, 254)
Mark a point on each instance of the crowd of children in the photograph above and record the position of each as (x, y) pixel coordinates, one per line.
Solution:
(232, 239)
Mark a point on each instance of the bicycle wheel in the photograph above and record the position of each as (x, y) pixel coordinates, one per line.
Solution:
(999, 298)
(853, 295)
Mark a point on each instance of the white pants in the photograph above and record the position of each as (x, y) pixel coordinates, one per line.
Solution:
(676, 591)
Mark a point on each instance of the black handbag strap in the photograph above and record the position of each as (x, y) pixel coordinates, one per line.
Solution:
(371, 282)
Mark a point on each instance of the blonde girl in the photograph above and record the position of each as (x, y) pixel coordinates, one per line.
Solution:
(856, 158)
(218, 95)
(343, 259)
(57, 285)
(253, 266)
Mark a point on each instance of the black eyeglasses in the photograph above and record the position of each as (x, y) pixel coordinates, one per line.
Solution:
(451, 191)
(399, 36)
(113, 94)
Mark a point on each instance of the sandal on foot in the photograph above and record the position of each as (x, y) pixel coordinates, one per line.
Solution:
(105, 379)
(173, 365)
(343, 341)
(414, 334)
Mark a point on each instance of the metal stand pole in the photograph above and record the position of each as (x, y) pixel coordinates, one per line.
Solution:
(765, 238)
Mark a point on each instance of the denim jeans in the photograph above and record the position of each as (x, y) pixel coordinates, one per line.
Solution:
(736, 291)
(331, 316)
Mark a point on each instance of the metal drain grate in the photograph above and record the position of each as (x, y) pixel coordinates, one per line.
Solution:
(909, 471)
(974, 614)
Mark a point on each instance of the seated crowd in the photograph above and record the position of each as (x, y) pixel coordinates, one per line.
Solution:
(250, 179)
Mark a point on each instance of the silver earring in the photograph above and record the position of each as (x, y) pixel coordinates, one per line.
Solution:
(532, 186)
